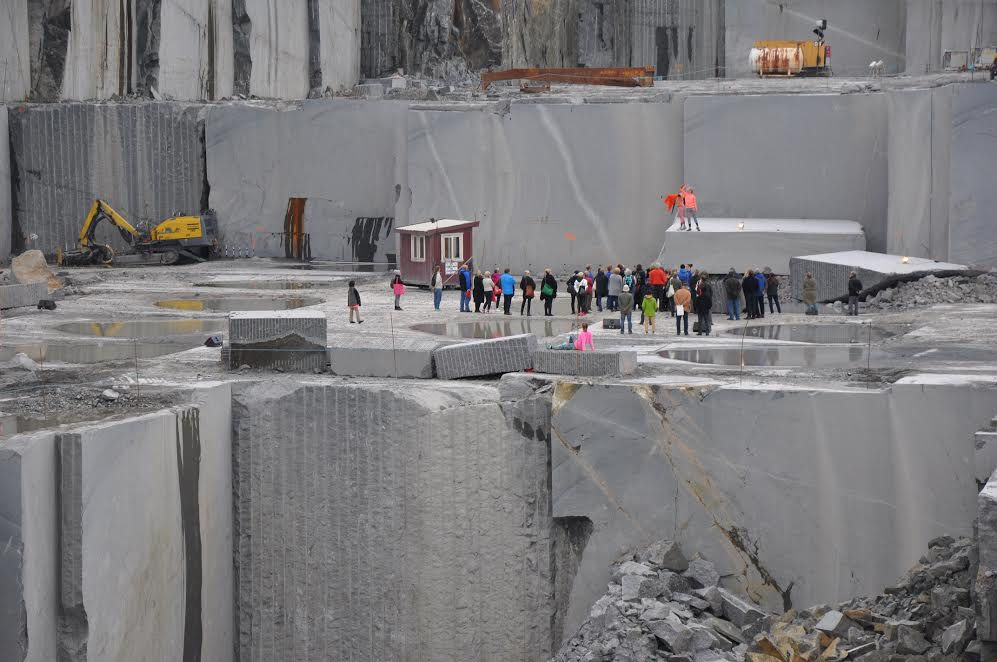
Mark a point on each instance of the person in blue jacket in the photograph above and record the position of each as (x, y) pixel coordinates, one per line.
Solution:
(685, 275)
(760, 277)
(508, 284)
(465, 287)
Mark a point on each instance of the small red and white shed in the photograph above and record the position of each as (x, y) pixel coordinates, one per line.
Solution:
(446, 242)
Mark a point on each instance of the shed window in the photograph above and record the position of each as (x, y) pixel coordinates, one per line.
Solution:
(453, 246)
(418, 248)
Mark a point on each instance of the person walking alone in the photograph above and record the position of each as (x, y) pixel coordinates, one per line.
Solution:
(854, 290)
(398, 288)
(478, 290)
(626, 308)
(528, 286)
(683, 308)
(437, 284)
(772, 287)
(732, 288)
(353, 302)
(810, 293)
(548, 292)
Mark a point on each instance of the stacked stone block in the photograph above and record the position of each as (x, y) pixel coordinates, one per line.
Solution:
(290, 340)
(481, 358)
(21, 295)
(585, 364)
(383, 356)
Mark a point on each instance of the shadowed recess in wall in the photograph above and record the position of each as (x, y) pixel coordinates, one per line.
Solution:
(367, 232)
(189, 471)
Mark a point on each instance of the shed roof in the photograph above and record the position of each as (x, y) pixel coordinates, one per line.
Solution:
(438, 225)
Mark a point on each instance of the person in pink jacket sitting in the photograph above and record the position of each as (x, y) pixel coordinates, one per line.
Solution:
(584, 339)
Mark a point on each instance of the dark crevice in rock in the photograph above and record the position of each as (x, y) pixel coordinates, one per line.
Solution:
(49, 57)
(148, 24)
(314, 47)
(570, 536)
(242, 29)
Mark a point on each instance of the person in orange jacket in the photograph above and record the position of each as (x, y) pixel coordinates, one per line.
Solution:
(689, 198)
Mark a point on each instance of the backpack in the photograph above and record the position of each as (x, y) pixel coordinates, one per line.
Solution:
(629, 282)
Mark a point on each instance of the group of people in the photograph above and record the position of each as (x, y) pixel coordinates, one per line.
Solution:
(755, 286)
(495, 288)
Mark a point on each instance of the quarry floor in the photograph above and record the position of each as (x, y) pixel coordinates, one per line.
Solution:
(146, 363)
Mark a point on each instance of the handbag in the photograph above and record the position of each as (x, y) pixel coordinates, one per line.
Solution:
(398, 289)
(671, 291)
(529, 291)
(546, 291)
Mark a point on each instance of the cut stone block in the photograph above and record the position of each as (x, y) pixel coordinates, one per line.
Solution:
(585, 364)
(611, 323)
(22, 295)
(291, 340)
(876, 271)
(399, 495)
(986, 577)
(985, 459)
(381, 356)
(481, 358)
(725, 243)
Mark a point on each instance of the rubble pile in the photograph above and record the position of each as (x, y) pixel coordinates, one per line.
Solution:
(931, 290)
(660, 606)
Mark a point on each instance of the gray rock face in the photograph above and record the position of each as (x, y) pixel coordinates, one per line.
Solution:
(313, 570)
(834, 623)
(291, 340)
(910, 641)
(666, 554)
(738, 611)
(956, 637)
(986, 577)
(702, 574)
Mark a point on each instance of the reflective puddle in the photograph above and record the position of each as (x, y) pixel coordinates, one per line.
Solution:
(501, 328)
(228, 304)
(96, 352)
(145, 328)
(816, 333)
(273, 284)
(827, 356)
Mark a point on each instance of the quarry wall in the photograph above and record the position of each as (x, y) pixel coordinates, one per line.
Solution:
(752, 480)
(118, 538)
(380, 522)
(553, 184)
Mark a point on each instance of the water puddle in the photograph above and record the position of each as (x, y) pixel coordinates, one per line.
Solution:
(228, 304)
(817, 333)
(501, 328)
(827, 356)
(95, 352)
(273, 284)
(12, 425)
(160, 328)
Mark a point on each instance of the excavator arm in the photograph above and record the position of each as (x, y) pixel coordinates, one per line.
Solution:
(100, 211)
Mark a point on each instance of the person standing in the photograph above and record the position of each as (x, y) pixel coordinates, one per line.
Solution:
(508, 284)
(464, 278)
(674, 285)
(750, 287)
(656, 279)
(548, 292)
(528, 287)
(496, 276)
(691, 208)
(760, 294)
(680, 206)
(615, 289)
(353, 302)
(398, 288)
(772, 289)
(572, 284)
(437, 284)
(626, 308)
(854, 290)
(488, 290)
(640, 278)
(478, 290)
(650, 308)
(684, 275)
(581, 292)
(683, 308)
(601, 287)
(732, 287)
(704, 304)
(810, 293)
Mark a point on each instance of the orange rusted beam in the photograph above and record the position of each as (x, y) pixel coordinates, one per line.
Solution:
(618, 76)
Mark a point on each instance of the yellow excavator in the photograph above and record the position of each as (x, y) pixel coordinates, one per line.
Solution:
(177, 239)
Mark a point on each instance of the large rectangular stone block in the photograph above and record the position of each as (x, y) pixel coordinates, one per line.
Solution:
(986, 578)
(22, 295)
(585, 364)
(875, 270)
(383, 356)
(480, 358)
(293, 340)
(382, 522)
